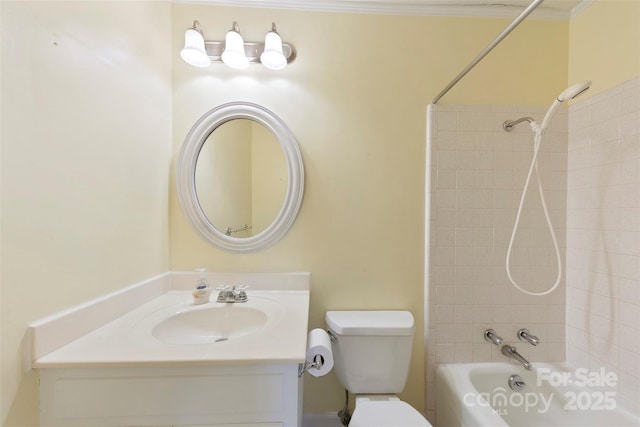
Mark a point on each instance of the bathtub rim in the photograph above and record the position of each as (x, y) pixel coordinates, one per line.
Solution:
(455, 379)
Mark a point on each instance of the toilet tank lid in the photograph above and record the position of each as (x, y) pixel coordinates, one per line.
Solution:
(370, 322)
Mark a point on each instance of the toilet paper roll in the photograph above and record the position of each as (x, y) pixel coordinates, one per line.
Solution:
(319, 344)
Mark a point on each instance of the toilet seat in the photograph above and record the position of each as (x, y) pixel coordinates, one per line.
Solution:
(385, 411)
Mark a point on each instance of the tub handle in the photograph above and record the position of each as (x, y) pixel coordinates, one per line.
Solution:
(491, 336)
(525, 336)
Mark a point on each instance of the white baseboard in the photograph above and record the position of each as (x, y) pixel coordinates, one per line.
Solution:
(326, 419)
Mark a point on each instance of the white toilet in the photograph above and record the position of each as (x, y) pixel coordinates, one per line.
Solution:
(371, 355)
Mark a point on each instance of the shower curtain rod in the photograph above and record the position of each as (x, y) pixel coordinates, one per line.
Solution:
(489, 48)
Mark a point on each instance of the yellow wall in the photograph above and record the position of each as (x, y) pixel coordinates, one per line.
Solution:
(356, 100)
(86, 129)
(86, 125)
(604, 44)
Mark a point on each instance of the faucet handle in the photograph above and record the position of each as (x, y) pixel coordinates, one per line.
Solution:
(525, 336)
(491, 336)
(241, 293)
(223, 290)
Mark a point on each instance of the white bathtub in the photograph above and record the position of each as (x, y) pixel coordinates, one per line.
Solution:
(478, 394)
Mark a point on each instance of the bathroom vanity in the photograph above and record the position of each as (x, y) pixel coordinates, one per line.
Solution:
(265, 395)
(169, 362)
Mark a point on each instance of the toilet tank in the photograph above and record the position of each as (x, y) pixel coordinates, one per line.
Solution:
(373, 349)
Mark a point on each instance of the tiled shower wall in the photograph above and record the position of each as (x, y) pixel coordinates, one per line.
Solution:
(477, 174)
(603, 236)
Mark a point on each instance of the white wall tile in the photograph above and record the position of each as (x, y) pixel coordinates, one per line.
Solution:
(603, 316)
(447, 121)
(473, 223)
(590, 166)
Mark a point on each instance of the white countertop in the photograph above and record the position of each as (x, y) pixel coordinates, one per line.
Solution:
(127, 341)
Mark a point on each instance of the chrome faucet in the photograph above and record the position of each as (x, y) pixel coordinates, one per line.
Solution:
(227, 294)
(491, 336)
(512, 353)
(525, 336)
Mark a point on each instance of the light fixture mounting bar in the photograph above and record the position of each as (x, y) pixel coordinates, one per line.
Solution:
(253, 50)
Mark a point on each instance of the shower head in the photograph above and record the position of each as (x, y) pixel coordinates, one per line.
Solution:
(574, 91)
(569, 93)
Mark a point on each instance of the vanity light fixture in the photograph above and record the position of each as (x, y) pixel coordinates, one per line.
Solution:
(234, 51)
(234, 55)
(194, 52)
(272, 56)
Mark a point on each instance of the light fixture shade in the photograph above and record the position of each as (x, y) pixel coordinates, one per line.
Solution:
(234, 55)
(272, 57)
(194, 52)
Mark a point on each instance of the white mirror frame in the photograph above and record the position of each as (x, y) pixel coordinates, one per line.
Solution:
(185, 177)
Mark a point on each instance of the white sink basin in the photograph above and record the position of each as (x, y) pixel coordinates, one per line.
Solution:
(187, 324)
(209, 325)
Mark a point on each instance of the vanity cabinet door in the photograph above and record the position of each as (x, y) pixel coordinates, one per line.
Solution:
(226, 396)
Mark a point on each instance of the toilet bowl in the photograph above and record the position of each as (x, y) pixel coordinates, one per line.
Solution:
(372, 351)
(381, 410)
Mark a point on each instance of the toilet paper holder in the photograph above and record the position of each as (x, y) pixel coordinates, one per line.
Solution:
(319, 357)
(317, 363)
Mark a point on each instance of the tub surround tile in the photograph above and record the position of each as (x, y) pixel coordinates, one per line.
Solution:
(472, 217)
(603, 235)
(590, 167)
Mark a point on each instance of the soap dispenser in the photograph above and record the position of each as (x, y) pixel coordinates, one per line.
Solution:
(202, 292)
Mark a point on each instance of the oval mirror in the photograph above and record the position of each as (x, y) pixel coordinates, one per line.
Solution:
(240, 177)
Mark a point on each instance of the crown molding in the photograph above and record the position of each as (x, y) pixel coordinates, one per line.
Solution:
(404, 7)
(580, 8)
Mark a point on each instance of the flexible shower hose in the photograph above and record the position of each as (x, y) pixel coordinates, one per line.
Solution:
(537, 142)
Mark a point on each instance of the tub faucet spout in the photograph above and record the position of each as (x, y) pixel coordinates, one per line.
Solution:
(512, 353)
